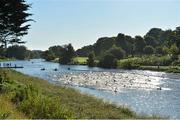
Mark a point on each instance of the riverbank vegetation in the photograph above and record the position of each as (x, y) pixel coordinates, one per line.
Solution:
(2, 59)
(23, 96)
(19, 52)
(80, 60)
(158, 48)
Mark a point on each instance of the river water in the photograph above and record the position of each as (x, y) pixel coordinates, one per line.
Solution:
(145, 92)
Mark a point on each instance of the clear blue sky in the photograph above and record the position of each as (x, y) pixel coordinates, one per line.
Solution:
(82, 22)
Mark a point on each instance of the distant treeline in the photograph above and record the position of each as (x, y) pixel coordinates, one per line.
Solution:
(161, 46)
(20, 52)
(156, 41)
(64, 54)
(108, 50)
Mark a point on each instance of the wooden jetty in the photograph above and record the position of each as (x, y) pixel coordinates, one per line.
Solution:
(9, 65)
(12, 67)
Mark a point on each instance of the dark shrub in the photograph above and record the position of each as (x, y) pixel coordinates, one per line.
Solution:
(108, 61)
(91, 59)
(118, 52)
(18, 52)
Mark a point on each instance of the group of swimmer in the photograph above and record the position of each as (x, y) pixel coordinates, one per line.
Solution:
(55, 69)
(108, 81)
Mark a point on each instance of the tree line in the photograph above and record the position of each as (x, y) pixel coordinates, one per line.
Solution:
(20, 52)
(109, 50)
(156, 42)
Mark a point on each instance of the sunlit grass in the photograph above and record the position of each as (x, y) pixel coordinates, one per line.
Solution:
(6, 59)
(8, 109)
(80, 60)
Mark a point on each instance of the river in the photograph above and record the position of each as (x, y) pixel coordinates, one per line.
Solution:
(145, 92)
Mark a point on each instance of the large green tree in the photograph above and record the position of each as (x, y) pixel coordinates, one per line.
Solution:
(13, 21)
(102, 45)
(85, 51)
(118, 52)
(48, 55)
(125, 42)
(56, 50)
(177, 33)
(139, 44)
(91, 59)
(156, 34)
(67, 54)
(168, 37)
(108, 61)
(150, 41)
(174, 50)
(18, 52)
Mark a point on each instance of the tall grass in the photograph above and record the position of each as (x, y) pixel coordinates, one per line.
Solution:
(37, 99)
(36, 105)
(33, 103)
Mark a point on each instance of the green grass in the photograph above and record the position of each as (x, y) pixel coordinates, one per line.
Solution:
(6, 59)
(30, 97)
(80, 60)
(149, 60)
(166, 63)
(8, 109)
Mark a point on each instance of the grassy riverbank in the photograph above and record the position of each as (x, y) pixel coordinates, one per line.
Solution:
(169, 69)
(138, 63)
(135, 63)
(6, 59)
(22, 96)
(80, 60)
(154, 63)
